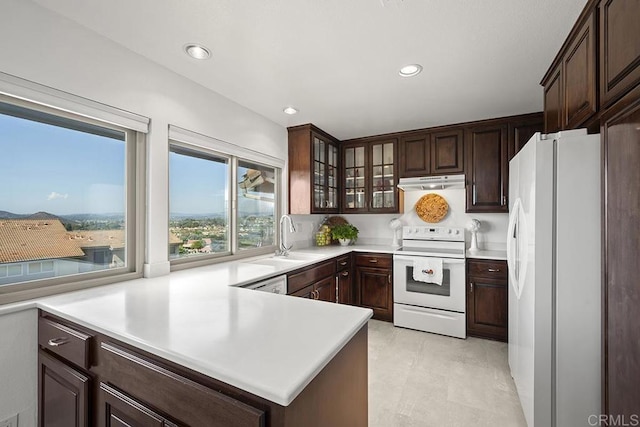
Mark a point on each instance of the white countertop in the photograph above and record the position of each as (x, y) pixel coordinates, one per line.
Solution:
(267, 344)
(488, 254)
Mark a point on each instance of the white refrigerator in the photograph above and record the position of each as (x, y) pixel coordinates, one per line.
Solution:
(554, 259)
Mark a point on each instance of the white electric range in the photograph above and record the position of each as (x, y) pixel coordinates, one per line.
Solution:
(423, 305)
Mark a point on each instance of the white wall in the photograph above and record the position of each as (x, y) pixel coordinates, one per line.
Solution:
(493, 230)
(18, 366)
(43, 47)
(374, 228)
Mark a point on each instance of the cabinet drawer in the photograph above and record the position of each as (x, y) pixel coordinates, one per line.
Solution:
(157, 387)
(487, 269)
(297, 281)
(374, 260)
(343, 263)
(65, 341)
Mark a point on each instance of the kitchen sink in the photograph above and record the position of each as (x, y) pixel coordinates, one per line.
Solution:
(286, 261)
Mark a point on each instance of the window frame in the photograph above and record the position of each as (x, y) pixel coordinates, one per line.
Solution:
(195, 142)
(135, 183)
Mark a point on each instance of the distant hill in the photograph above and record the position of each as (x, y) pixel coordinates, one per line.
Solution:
(43, 216)
(64, 219)
(10, 215)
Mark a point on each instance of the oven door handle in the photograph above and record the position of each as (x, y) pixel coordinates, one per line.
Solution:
(444, 260)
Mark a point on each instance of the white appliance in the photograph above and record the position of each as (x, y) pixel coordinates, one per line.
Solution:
(276, 285)
(553, 251)
(424, 305)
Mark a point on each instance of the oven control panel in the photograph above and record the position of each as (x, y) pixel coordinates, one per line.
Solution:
(427, 232)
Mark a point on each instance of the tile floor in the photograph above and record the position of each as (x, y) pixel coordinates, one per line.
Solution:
(422, 379)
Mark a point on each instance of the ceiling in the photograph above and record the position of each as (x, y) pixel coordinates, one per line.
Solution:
(337, 61)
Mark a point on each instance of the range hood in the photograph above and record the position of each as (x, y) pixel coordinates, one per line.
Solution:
(431, 183)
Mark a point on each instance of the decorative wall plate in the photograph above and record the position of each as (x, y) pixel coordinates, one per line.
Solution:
(432, 207)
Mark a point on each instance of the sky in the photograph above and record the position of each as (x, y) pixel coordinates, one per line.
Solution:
(63, 171)
(199, 186)
(57, 170)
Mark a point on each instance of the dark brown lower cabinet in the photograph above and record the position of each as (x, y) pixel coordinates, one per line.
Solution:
(487, 299)
(63, 394)
(345, 286)
(374, 284)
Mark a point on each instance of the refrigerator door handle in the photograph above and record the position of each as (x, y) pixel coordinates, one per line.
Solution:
(513, 246)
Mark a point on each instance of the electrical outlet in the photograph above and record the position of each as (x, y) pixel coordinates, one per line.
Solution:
(10, 422)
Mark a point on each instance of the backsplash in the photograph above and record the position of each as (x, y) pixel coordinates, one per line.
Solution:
(374, 228)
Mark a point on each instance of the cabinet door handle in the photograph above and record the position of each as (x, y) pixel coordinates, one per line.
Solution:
(471, 287)
(504, 200)
(345, 273)
(343, 263)
(494, 270)
(337, 289)
(389, 278)
(373, 260)
(57, 342)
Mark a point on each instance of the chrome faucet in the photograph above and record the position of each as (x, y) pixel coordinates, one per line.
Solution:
(284, 249)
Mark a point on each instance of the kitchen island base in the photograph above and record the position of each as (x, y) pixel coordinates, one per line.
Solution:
(129, 386)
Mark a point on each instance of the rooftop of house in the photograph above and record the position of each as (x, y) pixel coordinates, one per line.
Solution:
(28, 239)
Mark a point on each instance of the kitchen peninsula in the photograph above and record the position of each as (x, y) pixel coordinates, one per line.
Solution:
(229, 356)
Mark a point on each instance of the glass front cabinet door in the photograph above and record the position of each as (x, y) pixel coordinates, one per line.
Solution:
(354, 179)
(383, 182)
(370, 177)
(325, 175)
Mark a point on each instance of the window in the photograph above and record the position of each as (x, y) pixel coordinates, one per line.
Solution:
(198, 203)
(209, 216)
(256, 205)
(72, 194)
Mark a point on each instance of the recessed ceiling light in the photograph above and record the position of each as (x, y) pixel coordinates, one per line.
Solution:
(290, 110)
(197, 51)
(410, 70)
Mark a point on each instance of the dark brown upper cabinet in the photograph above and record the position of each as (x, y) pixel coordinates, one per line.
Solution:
(415, 155)
(522, 129)
(314, 165)
(619, 48)
(438, 153)
(553, 101)
(370, 176)
(486, 168)
(570, 85)
(579, 72)
(446, 152)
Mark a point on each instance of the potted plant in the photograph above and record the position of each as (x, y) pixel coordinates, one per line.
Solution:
(345, 233)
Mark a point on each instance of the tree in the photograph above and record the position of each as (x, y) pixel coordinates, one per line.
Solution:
(198, 244)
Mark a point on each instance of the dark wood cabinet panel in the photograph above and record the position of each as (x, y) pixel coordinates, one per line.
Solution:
(299, 279)
(579, 84)
(325, 289)
(447, 152)
(487, 299)
(66, 342)
(619, 48)
(306, 292)
(521, 130)
(314, 171)
(374, 286)
(553, 101)
(415, 155)
(345, 287)
(63, 394)
(185, 400)
(621, 344)
(121, 410)
(486, 168)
